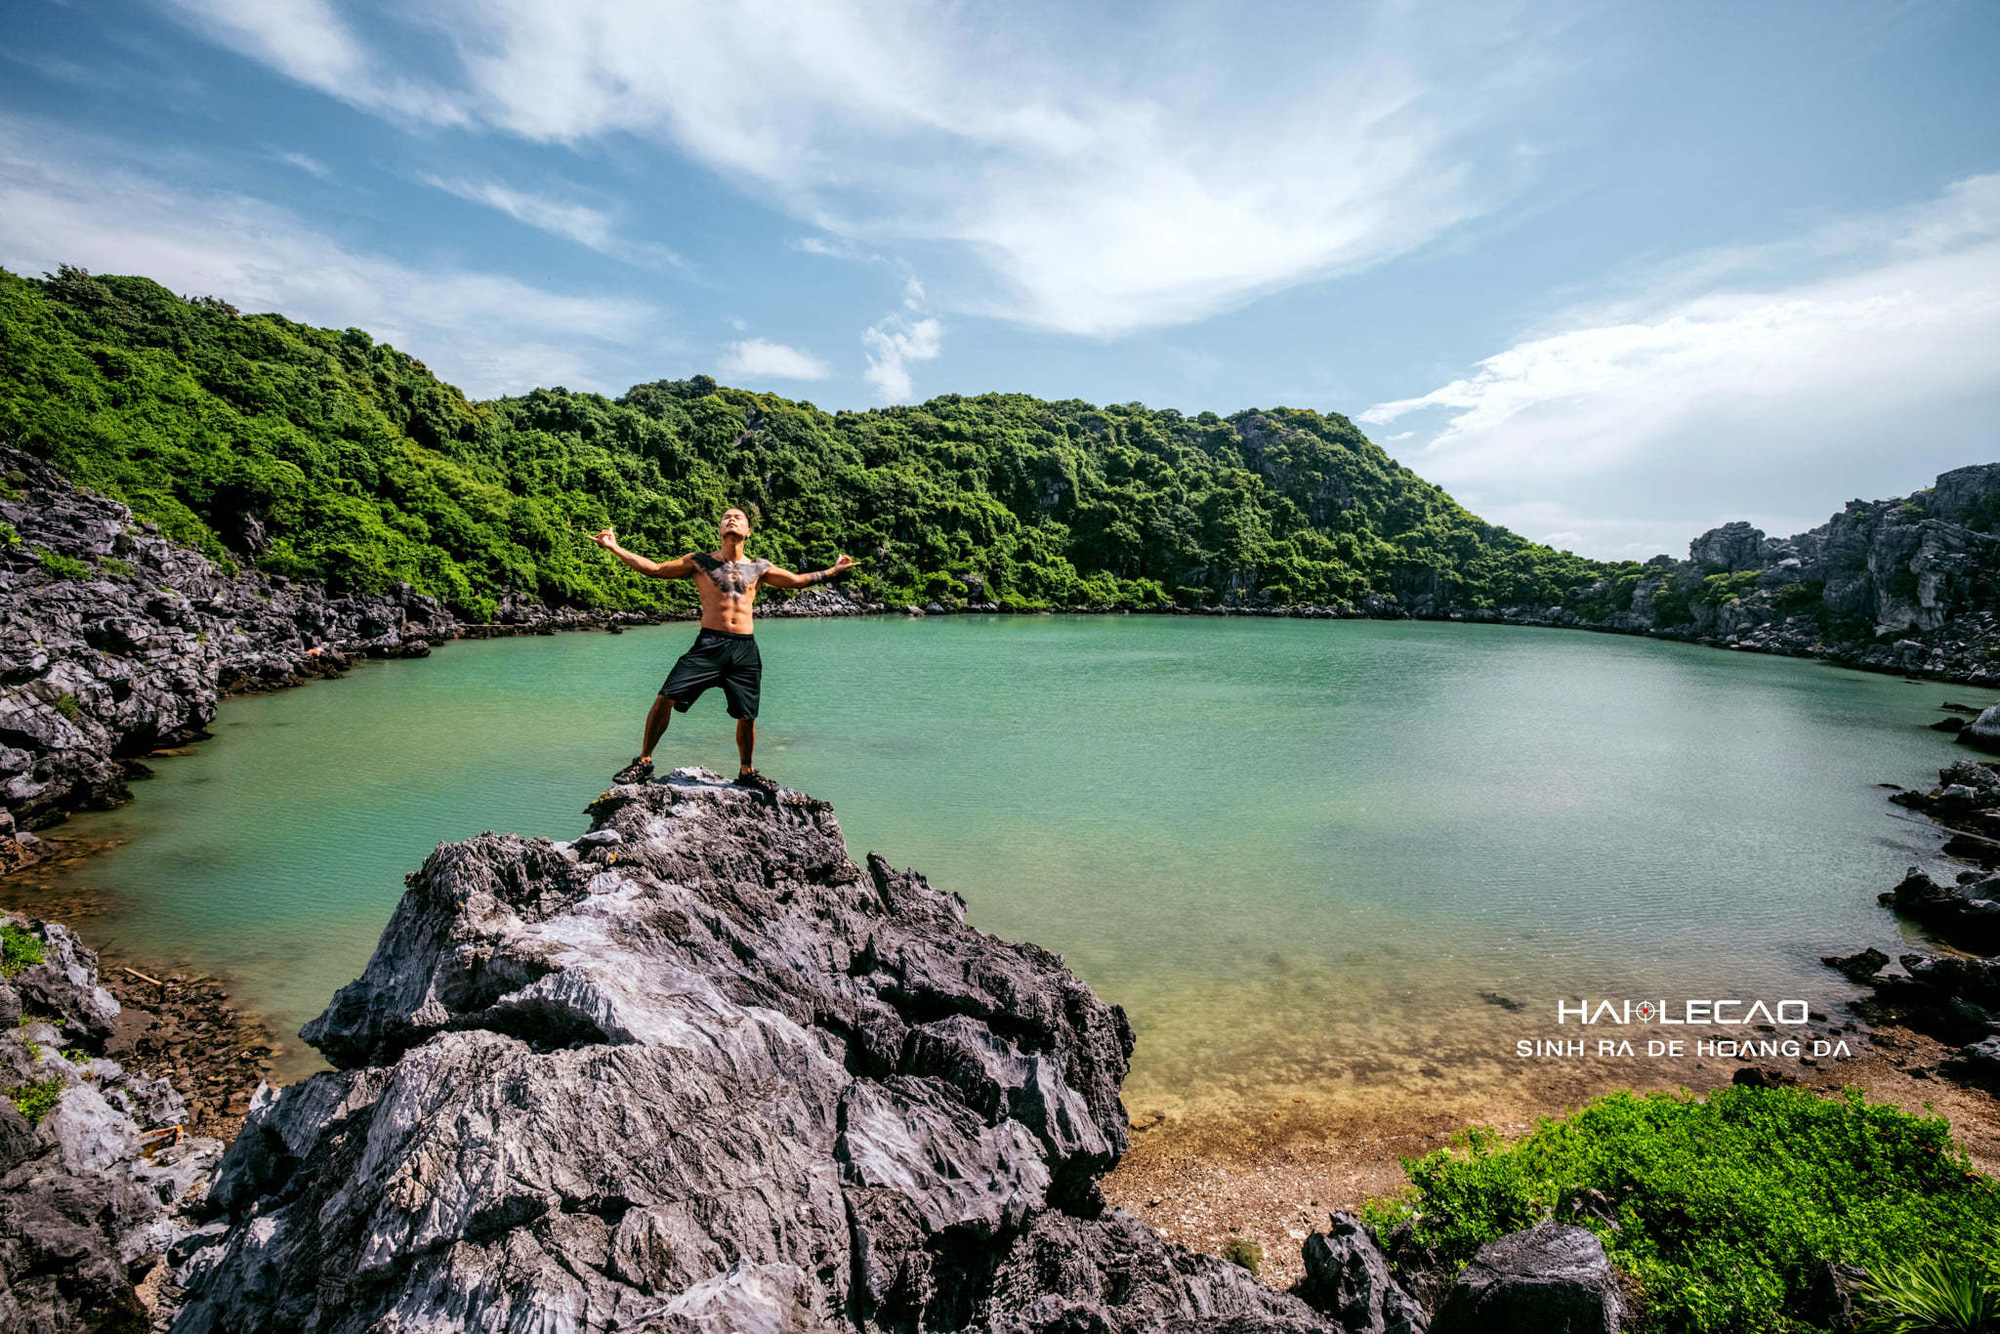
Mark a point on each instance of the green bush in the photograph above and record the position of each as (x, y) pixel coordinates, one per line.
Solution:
(61, 566)
(67, 705)
(19, 948)
(1717, 589)
(36, 1101)
(116, 568)
(1723, 1204)
(360, 468)
(1671, 606)
(8, 536)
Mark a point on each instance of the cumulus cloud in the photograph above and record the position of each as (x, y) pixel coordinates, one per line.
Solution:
(1876, 364)
(898, 339)
(67, 202)
(1108, 177)
(761, 359)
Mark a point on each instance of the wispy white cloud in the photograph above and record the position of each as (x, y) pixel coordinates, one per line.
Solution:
(1108, 177)
(306, 163)
(898, 339)
(71, 200)
(592, 228)
(761, 359)
(308, 40)
(1879, 364)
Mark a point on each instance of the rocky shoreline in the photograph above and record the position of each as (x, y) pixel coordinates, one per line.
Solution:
(1951, 992)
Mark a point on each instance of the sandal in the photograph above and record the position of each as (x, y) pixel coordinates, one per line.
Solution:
(756, 782)
(638, 771)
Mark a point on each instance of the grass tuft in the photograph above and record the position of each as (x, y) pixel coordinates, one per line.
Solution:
(36, 1101)
(19, 949)
(1243, 1252)
(1933, 1295)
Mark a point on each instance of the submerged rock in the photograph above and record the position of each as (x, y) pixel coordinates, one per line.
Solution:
(711, 1076)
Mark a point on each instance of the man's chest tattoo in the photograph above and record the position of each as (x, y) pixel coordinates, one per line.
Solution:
(735, 578)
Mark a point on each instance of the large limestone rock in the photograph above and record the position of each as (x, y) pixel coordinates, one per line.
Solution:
(1550, 1279)
(699, 1071)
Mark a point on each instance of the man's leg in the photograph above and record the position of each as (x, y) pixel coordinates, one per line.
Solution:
(641, 767)
(746, 743)
(656, 725)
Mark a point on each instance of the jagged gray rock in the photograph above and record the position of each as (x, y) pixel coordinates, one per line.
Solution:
(1550, 1279)
(712, 1076)
(1347, 1277)
(88, 1203)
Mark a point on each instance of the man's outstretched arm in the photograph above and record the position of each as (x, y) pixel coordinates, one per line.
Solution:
(679, 568)
(778, 578)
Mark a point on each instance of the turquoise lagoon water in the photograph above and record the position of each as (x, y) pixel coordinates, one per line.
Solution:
(1324, 861)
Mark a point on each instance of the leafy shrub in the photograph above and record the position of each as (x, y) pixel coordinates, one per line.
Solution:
(1717, 589)
(116, 568)
(67, 706)
(19, 948)
(61, 566)
(1723, 1204)
(1671, 606)
(8, 535)
(36, 1101)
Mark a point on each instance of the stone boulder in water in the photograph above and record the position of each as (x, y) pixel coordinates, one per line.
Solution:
(710, 1076)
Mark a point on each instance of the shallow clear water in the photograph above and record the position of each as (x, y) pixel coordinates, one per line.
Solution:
(1306, 856)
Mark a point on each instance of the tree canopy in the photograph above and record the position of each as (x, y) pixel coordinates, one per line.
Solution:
(324, 454)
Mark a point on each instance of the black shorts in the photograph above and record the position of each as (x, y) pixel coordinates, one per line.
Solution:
(718, 658)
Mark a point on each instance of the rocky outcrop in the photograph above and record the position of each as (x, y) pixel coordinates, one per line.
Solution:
(95, 1177)
(1348, 1278)
(1551, 1279)
(115, 641)
(698, 1070)
(1952, 996)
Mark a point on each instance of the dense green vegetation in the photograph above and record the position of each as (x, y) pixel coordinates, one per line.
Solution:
(322, 453)
(1723, 1204)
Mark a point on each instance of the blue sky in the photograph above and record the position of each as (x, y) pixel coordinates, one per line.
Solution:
(1611, 273)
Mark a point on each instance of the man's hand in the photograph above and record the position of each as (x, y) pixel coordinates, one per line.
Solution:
(608, 539)
(842, 565)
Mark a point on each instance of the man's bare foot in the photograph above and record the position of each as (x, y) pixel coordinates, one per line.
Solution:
(638, 771)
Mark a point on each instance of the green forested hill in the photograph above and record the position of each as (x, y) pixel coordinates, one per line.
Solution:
(323, 454)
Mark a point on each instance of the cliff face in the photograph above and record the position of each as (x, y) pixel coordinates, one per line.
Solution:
(698, 1070)
(1910, 584)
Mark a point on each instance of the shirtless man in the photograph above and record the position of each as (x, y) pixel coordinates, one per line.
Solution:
(724, 653)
